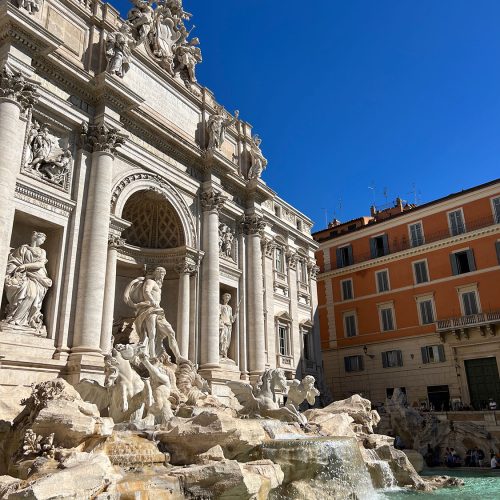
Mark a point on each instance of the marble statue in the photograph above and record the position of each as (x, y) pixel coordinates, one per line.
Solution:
(26, 283)
(261, 402)
(217, 125)
(125, 394)
(188, 55)
(226, 320)
(300, 391)
(31, 6)
(118, 50)
(226, 238)
(258, 162)
(45, 158)
(140, 18)
(144, 296)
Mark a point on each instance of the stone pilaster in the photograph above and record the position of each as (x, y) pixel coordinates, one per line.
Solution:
(184, 268)
(17, 94)
(114, 243)
(253, 226)
(92, 279)
(211, 203)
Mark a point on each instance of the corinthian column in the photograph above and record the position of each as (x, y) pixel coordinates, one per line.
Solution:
(92, 277)
(185, 268)
(114, 243)
(211, 203)
(254, 226)
(16, 96)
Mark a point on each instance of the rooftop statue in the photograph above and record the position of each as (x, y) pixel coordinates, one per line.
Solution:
(217, 125)
(144, 296)
(118, 50)
(258, 162)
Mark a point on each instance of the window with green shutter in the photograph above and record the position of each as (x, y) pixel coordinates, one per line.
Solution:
(391, 359)
(426, 312)
(457, 224)
(433, 354)
(421, 272)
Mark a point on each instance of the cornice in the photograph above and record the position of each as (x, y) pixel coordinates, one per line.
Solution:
(50, 202)
(414, 251)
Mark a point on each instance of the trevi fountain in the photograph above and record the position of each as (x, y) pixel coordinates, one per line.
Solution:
(158, 333)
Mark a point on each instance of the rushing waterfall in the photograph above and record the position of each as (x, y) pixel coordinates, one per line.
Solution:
(329, 468)
(384, 475)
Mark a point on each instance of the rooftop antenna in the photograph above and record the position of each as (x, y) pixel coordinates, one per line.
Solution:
(372, 188)
(386, 195)
(326, 216)
(416, 192)
(340, 208)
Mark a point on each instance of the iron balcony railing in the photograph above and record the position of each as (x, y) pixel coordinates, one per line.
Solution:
(397, 245)
(471, 321)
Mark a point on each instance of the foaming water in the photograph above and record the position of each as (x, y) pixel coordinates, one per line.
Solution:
(385, 472)
(321, 468)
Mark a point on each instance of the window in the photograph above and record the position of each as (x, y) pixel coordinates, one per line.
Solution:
(426, 310)
(462, 262)
(303, 271)
(470, 303)
(308, 344)
(350, 324)
(279, 261)
(283, 339)
(344, 256)
(496, 209)
(277, 211)
(416, 234)
(347, 293)
(497, 246)
(433, 354)
(391, 359)
(382, 281)
(299, 224)
(456, 221)
(379, 246)
(386, 313)
(353, 363)
(420, 272)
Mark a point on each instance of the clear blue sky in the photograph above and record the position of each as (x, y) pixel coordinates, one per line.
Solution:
(353, 93)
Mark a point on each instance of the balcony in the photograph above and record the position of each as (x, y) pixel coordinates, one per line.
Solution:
(397, 245)
(486, 323)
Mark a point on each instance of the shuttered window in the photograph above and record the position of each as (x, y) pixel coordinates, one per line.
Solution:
(392, 359)
(347, 293)
(497, 246)
(416, 234)
(344, 256)
(496, 210)
(387, 319)
(379, 246)
(462, 262)
(382, 281)
(457, 224)
(353, 363)
(426, 312)
(350, 328)
(470, 303)
(433, 354)
(421, 273)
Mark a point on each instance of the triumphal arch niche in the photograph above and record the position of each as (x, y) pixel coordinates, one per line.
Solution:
(133, 206)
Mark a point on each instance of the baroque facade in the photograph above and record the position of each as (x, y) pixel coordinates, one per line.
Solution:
(408, 298)
(115, 163)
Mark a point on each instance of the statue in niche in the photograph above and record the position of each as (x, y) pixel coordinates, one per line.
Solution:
(217, 125)
(258, 162)
(226, 238)
(118, 52)
(26, 283)
(144, 296)
(31, 6)
(46, 159)
(226, 320)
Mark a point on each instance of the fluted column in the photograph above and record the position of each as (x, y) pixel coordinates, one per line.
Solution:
(185, 268)
(254, 226)
(92, 277)
(193, 317)
(114, 243)
(16, 96)
(211, 203)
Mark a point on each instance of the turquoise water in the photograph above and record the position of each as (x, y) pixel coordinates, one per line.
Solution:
(479, 484)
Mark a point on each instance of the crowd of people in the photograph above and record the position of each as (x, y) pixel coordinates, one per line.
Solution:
(474, 457)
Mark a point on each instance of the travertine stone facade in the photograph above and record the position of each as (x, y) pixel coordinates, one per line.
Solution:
(112, 149)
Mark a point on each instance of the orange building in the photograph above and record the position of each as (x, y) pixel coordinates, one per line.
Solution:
(410, 297)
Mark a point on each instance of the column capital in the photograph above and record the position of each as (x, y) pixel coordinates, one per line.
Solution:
(101, 138)
(268, 246)
(254, 224)
(212, 201)
(115, 242)
(292, 257)
(14, 86)
(313, 269)
(187, 266)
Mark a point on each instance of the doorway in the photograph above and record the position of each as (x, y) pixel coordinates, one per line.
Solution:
(483, 381)
(439, 397)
